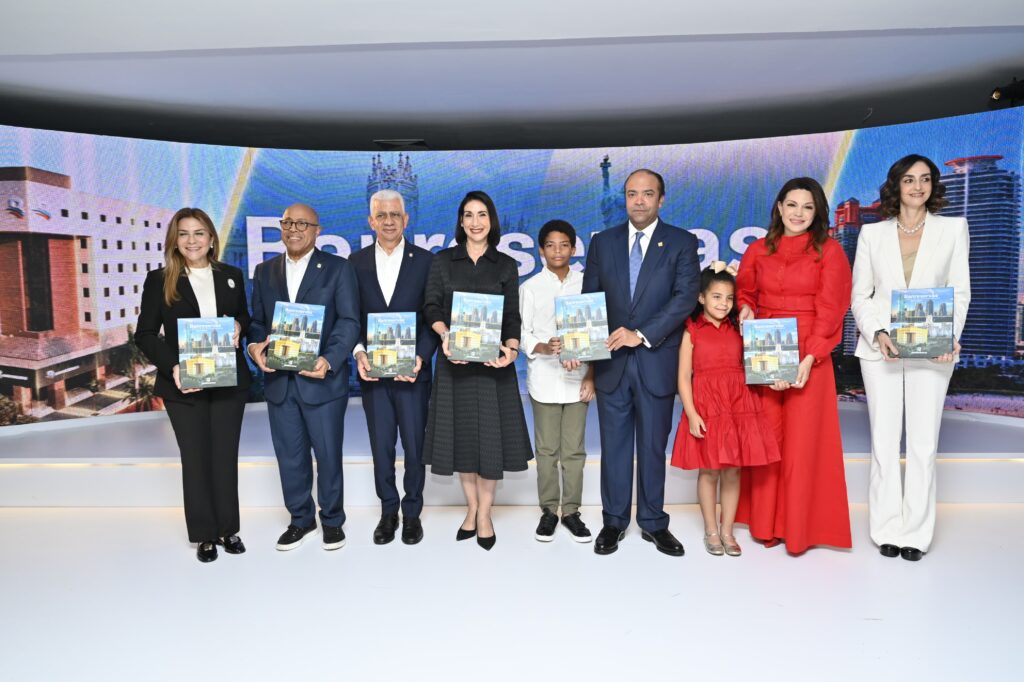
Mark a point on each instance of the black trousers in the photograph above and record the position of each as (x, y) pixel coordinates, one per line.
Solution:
(207, 426)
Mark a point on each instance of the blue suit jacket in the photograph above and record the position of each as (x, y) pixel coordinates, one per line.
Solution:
(331, 282)
(666, 293)
(407, 298)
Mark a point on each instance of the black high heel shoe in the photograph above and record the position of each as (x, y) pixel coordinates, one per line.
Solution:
(487, 542)
(464, 534)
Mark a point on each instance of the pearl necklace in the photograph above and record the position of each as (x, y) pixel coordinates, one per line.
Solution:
(914, 230)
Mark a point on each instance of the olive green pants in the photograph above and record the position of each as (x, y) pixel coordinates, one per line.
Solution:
(558, 435)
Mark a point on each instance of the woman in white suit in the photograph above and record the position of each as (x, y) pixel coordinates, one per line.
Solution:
(912, 249)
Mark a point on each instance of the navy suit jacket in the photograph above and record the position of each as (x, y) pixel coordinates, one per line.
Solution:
(407, 298)
(666, 293)
(331, 282)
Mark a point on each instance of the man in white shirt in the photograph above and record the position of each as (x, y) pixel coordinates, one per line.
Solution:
(559, 391)
(392, 276)
(307, 408)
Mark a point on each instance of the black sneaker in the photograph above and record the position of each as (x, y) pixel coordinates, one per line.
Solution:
(293, 537)
(577, 529)
(334, 537)
(546, 527)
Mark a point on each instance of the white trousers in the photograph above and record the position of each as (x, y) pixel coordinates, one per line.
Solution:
(904, 514)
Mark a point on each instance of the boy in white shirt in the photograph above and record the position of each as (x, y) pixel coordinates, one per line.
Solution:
(559, 392)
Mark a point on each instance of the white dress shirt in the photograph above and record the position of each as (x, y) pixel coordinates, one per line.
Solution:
(645, 243)
(388, 267)
(546, 379)
(294, 271)
(201, 280)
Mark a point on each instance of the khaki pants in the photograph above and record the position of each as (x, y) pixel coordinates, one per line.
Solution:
(558, 434)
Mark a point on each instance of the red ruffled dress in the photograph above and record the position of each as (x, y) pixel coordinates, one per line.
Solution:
(737, 432)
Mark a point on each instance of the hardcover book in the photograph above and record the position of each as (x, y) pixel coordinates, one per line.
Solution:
(475, 331)
(582, 323)
(206, 352)
(295, 336)
(922, 322)
(771, 351)
(391, 344)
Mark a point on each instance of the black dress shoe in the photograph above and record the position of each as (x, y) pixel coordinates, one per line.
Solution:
(486, 543)
(664, 541)
(334, 538)
(385, 530)
(911, 553)
(294, 536)
(206, 551)
(889, 550)
(232, 544)
(464, 534)
(608, 540)
(412, 530)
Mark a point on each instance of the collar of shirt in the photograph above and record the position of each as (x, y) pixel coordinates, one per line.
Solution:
(301, 261)
(490, 254)
(396, 252)
(648, 233)
(554, 277)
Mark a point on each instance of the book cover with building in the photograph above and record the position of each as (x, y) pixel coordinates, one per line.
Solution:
(475, 331)
(922, 322)
(771, 350)
(582, 322)
(391, 344)
(295, 336)
(206, 352)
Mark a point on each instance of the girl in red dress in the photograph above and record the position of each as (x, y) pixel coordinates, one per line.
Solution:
(722, 427)
(798, 271)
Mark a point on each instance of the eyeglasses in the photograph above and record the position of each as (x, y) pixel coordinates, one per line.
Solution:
(300, 225)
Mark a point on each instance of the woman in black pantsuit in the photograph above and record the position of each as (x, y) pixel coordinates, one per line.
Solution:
(207, 422)
(475, 425)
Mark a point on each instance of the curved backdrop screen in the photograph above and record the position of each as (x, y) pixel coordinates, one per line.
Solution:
(83, 218)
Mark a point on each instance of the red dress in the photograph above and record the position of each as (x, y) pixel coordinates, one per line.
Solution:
(737, 432)
(802, 498)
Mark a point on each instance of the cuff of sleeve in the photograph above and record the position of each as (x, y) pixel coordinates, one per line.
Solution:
(360, 348)
(642, 337)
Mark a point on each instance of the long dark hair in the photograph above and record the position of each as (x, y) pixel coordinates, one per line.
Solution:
(494, 234)
(708, 277)
(819, 226)
(889, 192)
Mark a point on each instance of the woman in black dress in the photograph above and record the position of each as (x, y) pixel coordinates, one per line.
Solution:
(207, 423)
(475, 425)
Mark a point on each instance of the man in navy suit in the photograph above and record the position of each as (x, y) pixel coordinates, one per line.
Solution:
(392, 276)
(650, 274)
(308, 408)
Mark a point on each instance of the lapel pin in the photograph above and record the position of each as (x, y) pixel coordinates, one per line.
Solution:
(660, 244)
(410, 254)
(231, 283)
(319, 265)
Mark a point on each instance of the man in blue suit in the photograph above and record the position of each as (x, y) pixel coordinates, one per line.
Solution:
(392, 276)
(650, 274)
(307, 409)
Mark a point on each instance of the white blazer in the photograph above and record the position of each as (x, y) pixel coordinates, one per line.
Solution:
(942, 261)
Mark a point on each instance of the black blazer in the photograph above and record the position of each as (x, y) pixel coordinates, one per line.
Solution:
(162, 351)
(408, 296)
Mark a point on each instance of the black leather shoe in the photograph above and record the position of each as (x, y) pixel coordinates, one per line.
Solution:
(546, 528)
(334, 537)
(911, 553)
(294, 536)
(206, 551)
(578, 530)
(412, 530)
(608, 540)
(232, 544)
(664, 541)
(486, 543)
(385, 530)
(889, 551)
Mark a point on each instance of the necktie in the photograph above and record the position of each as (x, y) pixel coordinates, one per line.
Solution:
(636, 259)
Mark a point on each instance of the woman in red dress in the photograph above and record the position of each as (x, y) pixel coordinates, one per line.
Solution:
(798, 271)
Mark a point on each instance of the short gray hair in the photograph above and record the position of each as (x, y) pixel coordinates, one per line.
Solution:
(387, 195)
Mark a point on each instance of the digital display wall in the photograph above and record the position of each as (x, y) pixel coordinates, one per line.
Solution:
(83, 218)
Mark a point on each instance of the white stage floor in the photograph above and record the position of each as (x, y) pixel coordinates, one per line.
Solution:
(116, 594)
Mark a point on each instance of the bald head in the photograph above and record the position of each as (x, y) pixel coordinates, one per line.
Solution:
(300, 226)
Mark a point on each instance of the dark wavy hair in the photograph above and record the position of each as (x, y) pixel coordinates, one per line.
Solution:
(889, 192)
(494, 234)
(819, 226)
(709, 277)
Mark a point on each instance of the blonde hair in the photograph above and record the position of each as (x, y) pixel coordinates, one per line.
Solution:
(174, 262)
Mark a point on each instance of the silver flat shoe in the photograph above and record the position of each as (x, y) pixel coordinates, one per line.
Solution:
(732, 548)
(713, 548)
